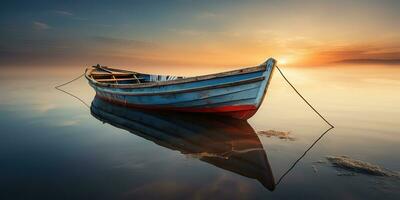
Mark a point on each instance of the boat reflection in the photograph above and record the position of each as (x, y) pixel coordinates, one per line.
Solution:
(226, 143)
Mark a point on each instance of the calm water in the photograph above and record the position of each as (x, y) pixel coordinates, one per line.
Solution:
(52, 146)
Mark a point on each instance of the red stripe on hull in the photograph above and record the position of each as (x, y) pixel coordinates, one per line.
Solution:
(238, 112)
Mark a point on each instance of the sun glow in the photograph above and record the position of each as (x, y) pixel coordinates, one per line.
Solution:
(282, 61)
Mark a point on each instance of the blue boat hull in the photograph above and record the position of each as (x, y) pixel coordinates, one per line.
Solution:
(235, 94)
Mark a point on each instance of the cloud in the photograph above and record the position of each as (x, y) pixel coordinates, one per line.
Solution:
(121, 42)
(70, 15)
(206, 15)
(359, 54)
(63, 13)
(40, 26)
(187, 32)
(371, 61)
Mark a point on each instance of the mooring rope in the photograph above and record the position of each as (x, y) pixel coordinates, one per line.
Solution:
(302, 156)
(70, 81)
(315, 142)
(58, 87)
(301, 96)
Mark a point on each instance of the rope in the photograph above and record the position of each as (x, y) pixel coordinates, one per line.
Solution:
(304, 154)
(312, 107)
(58, 87)
(315, 142)
(70, 81)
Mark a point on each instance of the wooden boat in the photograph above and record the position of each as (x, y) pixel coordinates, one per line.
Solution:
(226, 143)
(237, 93)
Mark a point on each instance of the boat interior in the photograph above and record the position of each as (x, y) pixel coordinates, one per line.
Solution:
(104, 74)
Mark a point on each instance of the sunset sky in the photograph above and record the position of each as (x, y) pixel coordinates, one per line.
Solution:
(199, 33)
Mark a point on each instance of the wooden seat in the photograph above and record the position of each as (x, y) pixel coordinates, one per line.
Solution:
(108, 74)
(119, 79)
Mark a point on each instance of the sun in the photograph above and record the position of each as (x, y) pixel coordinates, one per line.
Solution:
(282, 61)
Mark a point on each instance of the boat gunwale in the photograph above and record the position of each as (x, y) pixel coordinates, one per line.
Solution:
(247, 70)
(223, 85)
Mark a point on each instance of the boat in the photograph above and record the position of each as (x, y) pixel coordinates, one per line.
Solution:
(236, 94)
(226, 143)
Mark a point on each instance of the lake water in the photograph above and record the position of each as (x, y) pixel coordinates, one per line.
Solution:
(54, 147)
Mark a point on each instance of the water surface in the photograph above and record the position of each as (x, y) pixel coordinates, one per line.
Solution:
(53, 146)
